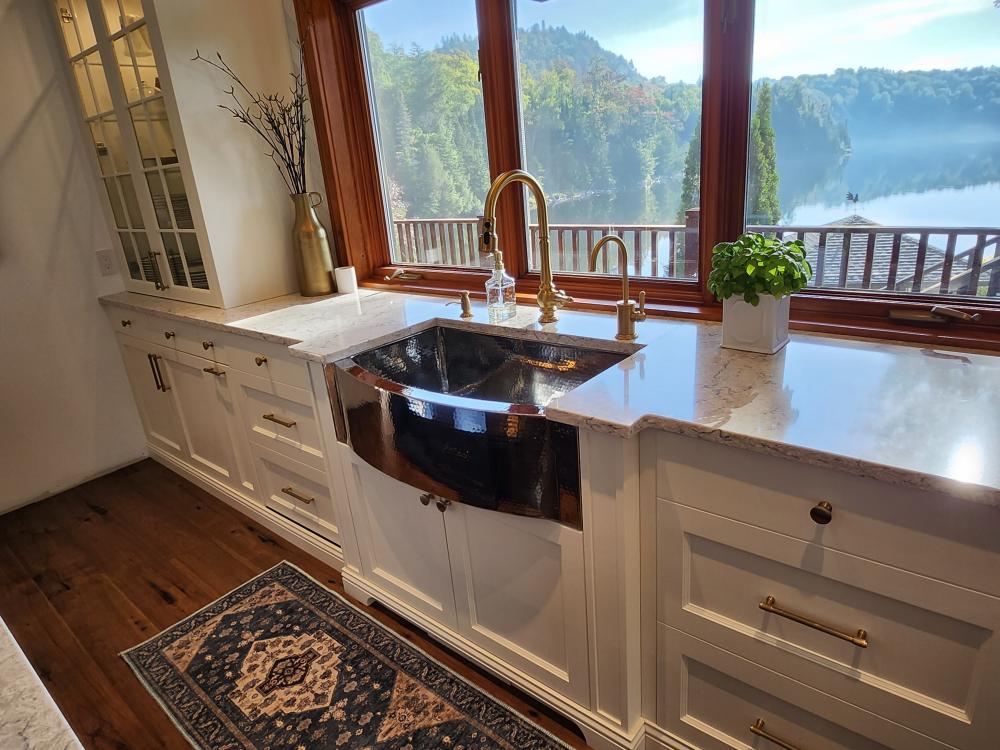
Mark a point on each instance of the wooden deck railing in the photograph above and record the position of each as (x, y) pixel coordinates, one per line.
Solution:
(931, 260)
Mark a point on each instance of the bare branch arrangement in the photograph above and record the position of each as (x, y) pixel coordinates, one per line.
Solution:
(279, 121)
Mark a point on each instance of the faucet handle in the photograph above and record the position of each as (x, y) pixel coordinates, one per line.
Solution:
(640, 314)
(562, 299)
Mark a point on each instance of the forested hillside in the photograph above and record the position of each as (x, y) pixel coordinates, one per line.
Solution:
(593, 124)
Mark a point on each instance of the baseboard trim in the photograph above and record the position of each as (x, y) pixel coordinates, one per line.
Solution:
(291, 532)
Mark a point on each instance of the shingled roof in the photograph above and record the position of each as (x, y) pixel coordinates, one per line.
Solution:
(881, 261)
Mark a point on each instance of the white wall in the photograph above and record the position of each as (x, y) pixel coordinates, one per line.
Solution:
(66, 412)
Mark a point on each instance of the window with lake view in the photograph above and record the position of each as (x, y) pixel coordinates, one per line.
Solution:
(875, 128)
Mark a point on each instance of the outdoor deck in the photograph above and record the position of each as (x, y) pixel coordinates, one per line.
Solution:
(853, 253)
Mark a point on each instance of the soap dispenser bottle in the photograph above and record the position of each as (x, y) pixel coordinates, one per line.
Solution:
(500, 298)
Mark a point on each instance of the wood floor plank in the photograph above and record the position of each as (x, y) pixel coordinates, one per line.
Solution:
(97, 569)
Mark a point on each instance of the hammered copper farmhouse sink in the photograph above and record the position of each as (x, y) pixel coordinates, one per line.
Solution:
(461, 414)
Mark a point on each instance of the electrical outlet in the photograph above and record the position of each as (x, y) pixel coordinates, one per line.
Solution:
(106, 262)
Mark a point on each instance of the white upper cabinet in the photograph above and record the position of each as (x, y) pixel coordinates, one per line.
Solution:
(196, 206)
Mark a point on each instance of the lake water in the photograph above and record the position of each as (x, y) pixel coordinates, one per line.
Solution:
(953, 182)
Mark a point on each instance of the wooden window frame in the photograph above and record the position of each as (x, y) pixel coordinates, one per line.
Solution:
(341, 105)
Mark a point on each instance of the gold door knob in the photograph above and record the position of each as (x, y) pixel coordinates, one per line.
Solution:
(260, 360)
(426, 498)
(822, 513)
(168, 335)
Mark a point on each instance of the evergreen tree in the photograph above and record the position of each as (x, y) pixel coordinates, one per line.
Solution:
(691, 185)
(762, 182)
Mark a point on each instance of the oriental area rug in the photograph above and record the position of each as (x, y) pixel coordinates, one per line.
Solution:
(283, 662)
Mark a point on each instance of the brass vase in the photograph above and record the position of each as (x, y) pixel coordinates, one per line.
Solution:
(312, 249)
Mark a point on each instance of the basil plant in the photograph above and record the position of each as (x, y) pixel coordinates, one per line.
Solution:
(754, 265)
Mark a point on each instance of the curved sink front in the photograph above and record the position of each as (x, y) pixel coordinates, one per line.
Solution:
(462, 415)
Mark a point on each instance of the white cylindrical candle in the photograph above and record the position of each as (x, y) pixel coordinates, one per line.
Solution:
(347, 280)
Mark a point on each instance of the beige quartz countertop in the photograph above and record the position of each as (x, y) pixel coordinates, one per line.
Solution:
(923, 417)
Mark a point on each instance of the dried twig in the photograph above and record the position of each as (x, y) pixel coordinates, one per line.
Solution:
(280, 122)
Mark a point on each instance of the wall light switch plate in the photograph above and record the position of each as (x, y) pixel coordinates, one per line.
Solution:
(106, 262)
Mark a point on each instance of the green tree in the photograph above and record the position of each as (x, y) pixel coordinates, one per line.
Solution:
(691, 184)
(762, 182)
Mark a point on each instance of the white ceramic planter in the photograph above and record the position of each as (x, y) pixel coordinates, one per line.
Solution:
(763, 328)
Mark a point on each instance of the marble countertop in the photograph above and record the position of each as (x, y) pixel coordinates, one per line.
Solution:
(928, 418)
(29, 719)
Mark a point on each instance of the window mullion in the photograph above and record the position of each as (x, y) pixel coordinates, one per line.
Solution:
(498, 68)
(725, 125)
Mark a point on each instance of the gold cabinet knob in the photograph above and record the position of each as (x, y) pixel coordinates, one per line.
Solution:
(821, 513)
(426, 498)
(126, 323)
(442, 504)
(206, 345)
(260, 360)
(168, 335)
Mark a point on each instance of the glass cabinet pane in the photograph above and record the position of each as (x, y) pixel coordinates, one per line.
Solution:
(116, 204)
(178, 198)
(131, 201)
(159, 197)
(163, 139)
(130, 261)
(150, 271)
(113, 140)
(101, 147)
(196, 266)
(83, 87)
(130, 78)
(174, 259)
(99, 82)
(140, 123)
(142, 53)
(74, 22)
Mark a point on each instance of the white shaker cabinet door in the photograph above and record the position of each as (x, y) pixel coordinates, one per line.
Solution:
(519, 590)
(151, 384)
(205, 402)
(402, 542)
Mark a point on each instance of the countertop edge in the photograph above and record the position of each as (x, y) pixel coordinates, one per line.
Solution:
(190, 320)
(970, 491)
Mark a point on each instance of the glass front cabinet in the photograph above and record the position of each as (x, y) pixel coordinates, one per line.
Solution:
(116, 55)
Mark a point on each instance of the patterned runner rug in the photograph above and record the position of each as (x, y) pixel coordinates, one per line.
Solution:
(283, 662)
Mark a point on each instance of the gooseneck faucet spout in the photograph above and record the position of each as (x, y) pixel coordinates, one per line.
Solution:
(549, 298)
(627, 312)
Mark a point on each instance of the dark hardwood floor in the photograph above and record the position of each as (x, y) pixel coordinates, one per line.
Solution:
(97, 569)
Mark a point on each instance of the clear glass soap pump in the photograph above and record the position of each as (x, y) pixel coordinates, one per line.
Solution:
(501, 301)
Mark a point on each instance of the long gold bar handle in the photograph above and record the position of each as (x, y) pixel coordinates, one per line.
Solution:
(758, 728)
(302, 498)
(860, 639)
(278, 420)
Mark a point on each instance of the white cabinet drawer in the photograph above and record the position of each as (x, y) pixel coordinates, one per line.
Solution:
(140, 325)
(281, 418)
(267, 360)
(942, 537)
(710, 698)
(931, 663)
(298, 492)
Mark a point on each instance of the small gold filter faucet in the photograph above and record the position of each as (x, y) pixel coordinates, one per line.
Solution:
(628, 314)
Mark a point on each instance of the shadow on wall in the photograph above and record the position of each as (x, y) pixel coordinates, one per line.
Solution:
(64, 399)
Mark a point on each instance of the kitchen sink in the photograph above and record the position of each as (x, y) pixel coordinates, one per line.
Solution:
(461, 414)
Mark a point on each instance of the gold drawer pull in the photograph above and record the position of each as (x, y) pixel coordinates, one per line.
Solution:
(260, 360)
(168, 335)
(206, 345)
(126, 323)
(214, 371)
(278, 420)
(860, 639)
(758, 728)
(301, 498)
